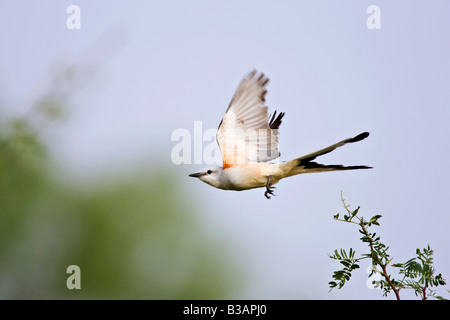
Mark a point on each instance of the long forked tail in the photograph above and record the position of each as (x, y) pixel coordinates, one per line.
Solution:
(306, 165)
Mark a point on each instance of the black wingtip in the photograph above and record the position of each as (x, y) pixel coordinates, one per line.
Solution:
(275, 123)
(359, 137)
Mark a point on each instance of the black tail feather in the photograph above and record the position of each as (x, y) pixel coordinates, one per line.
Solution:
(307, 163)
(315, 165)
(359, 137)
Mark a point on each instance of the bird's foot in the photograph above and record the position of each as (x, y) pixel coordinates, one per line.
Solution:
(269, 189)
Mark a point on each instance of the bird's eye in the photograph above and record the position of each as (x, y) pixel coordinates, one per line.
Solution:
(209, 172)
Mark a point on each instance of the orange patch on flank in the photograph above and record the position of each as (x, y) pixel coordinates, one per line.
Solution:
(227, 165)
(231, 161)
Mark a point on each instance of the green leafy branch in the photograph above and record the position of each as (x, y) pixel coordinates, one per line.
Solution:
(418, 273)
(420, 268)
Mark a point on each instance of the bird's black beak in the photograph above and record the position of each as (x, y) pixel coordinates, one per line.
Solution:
(195, 175)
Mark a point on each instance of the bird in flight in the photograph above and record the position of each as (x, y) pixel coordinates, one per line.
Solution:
(248, 140)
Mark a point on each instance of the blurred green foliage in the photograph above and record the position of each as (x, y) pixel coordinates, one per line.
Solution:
(135, 237)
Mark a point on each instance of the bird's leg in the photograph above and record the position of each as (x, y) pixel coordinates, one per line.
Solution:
(269, 188)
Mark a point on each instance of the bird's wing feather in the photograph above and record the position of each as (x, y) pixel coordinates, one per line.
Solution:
(245, 134)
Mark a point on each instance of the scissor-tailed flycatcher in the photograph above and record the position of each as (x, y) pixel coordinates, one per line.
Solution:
(248, 140)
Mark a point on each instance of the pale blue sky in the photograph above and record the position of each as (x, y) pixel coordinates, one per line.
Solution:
(155, 66)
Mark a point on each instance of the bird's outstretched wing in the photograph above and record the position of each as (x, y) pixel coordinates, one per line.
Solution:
(246, 133)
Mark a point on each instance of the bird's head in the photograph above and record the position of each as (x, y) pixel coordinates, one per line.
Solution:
(210, 176)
